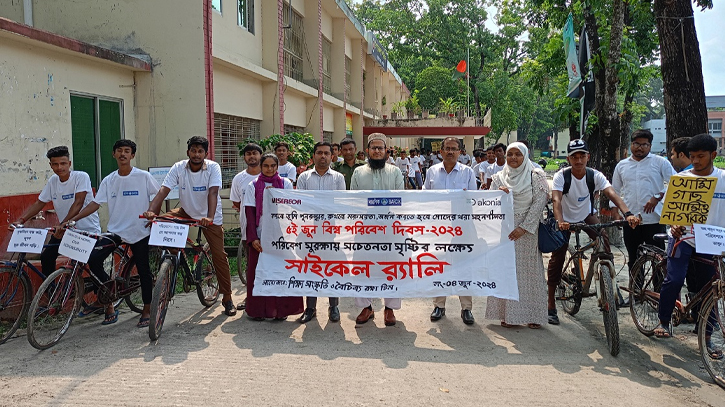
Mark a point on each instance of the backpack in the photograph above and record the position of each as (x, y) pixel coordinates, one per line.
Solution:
(590, 185)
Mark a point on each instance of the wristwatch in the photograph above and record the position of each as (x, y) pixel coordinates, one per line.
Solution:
(658, 196)
(628, 214)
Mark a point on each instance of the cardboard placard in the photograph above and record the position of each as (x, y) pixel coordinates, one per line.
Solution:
(710, 239)
(168, 234)
(76, 246)
(688, 200)
(26, 240)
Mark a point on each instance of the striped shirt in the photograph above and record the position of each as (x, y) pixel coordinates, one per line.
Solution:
(311, 180)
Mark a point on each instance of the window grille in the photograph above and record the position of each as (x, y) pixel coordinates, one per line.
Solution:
(293, 129)
(293, 43)
(327, 136)
(229, 131)
(348, 76)
(245, 14)
(326, 65)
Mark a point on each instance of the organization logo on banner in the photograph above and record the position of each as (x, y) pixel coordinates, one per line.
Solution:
(385, 201)
(286, 201)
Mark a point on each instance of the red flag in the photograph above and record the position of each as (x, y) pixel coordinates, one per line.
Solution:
(460, 70)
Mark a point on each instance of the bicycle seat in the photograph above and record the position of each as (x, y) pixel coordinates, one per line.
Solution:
(660, 237)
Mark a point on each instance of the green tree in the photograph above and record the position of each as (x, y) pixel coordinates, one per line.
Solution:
(301, 145)
(434, 83)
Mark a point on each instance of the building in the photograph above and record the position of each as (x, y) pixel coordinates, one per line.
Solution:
(715, 117)
(658, 130)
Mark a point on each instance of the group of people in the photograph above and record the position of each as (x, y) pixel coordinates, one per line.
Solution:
(638, 185)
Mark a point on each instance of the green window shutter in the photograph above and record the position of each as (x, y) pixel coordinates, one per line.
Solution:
(109, 117)
(83, 136)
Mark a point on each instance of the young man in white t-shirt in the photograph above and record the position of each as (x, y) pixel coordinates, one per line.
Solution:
(499, 151)
(416, 162)
(576, 206)
(199, 181)
(403, 163)
(127, 192)
(286, 169)
(69, 191)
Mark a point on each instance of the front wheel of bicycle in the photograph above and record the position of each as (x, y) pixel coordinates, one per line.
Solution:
(15, 296)
(569, 291)
(242, 261)
(645, 281)
(711, 338)
(609, 309)
(207, 288)
(56, 303)
(160, 299)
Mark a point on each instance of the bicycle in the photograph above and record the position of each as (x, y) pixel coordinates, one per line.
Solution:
(57, 300)
(571, 290)
(172, 260)
(645, 283)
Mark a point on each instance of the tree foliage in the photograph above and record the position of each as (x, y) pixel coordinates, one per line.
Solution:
(434, 83)
(301, 145)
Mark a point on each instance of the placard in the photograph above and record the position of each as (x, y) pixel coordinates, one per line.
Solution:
(688, 200)
(25, 240)
(168, 234)
(709, 239)
(76, 246)
(159, 174)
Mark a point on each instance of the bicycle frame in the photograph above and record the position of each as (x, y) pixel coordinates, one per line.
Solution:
(179, 258)
(578, 255)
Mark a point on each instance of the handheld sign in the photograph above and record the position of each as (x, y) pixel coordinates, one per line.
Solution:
(76, 246)
(688, 200)
(168, 234)
(27, 240)
(710, 239)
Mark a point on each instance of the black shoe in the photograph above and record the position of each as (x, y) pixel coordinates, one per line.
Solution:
(553, 317)
(229, 308)
(242, 305)
(437, 313)
(307, 316)
(334, 314)
(467, 317)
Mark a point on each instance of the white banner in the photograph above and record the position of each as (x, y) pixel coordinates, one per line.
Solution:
(168, 234)
(386, 244)
(76, 246)
(26, 240)
(709, 239)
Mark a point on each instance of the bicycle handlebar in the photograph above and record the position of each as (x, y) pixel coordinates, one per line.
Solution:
(172, 219)
(578, 227)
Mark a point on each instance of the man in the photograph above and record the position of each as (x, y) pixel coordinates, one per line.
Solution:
(199, 181)
(415, 166)
(127, 191)
(70, 191)
(377, 175)
(577, 205)
(318, 179)
(436, 158)
(451, 174)
(463, 158)
(349, 163)
(336, 153)
(499, 151)
(252, 154)
(478, 156)
(403, 163)
(286, 169)
(490, 159)
(391, 157)
(678, 154)
(361, 156)
(640, 180)
(702, 150)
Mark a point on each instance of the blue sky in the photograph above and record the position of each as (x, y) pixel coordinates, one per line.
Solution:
(708, 26)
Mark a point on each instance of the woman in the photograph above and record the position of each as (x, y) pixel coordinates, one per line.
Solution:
(259, 308)
(530, 191)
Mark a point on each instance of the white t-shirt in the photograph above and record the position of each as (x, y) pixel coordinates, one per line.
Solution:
(464, 159)
(477, 169)
(415, 163)
(391, 160)
(127, 197)
(492, 169)
(404, 165)
(576, 204)
(435, 159)
(63, 194)
(250, 197)
(239, 185)
(194, 188)
(287, 171)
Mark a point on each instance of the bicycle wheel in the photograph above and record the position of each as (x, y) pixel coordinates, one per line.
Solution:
(242, 262)
(15, 297)
(160, 298)
(569, 291)
(645, 281)
(110, 265)
(609, 309)
(56, 303)
(712, 317)
(208, 287)
(130, 274)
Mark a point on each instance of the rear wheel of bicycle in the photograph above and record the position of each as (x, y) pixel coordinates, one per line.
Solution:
(609, 309)
(645, 281)
(242, 261)
(569, 291)
(130, 274)
(160, 299)
(55, 305)
(208, 287)
(90, 295)
(711, 338)
(15, 296)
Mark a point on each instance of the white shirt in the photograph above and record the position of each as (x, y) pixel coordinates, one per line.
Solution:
(436, 159)
(127, 197)
(536, 165)
(391, 160)
(288, 171)
(460, 177)
(415, 163)
(717, 207)
(492, 169)
(63, 194)
(638, 181)
(330, 180)
(239, 185)
(404, 165)
(340, 159)
(464, 159)
(477, 169)
(576, 205)
(250, 197)
(194, 188)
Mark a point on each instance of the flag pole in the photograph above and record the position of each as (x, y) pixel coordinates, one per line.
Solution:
(468, 82)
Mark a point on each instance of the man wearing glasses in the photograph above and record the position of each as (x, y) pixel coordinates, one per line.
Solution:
(640, 180)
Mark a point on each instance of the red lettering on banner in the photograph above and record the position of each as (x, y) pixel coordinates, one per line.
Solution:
(398, 270)
(329, 228)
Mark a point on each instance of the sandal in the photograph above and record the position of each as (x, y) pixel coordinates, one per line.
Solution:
(714, 353)
(143, 323)
(534, 326)
(88, 310)
(663, 331)
(505, 325)
(110, 318)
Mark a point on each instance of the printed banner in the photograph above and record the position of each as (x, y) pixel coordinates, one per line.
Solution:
(572, 61)
(386, 244)
(168, 234)
(688, 200)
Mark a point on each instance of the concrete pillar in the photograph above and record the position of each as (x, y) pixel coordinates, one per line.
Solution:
(310, 72)
(468, 144)
(356, 90)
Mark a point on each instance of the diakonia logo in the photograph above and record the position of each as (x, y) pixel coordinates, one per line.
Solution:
(385, 201)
